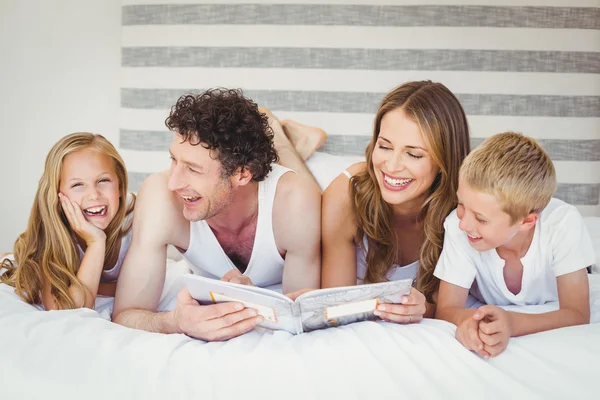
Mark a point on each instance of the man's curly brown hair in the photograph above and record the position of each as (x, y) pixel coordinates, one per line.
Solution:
(230, 123)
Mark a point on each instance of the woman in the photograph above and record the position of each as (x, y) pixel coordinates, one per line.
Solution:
(383, 218)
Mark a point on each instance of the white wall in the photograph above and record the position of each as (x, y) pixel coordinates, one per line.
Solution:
(59, 73)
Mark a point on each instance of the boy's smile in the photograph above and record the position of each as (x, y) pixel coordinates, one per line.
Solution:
(482, 219)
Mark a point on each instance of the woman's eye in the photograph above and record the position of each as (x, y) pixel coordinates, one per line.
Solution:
(384, 148)
(414, 156)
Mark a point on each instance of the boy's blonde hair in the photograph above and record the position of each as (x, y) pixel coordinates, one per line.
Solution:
(515, 170)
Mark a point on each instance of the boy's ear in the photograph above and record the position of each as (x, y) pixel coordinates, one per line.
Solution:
(242, 177)
(529, 221)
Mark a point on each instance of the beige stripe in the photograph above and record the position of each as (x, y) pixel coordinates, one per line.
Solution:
(361, 37)
(589, 211)
(359, 80)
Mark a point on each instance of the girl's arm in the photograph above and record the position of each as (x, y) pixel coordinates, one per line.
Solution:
(92, 263)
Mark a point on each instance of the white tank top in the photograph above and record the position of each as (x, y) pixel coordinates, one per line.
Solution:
(395, 273)
(265, 268)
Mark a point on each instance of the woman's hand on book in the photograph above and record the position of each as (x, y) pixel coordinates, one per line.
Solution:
(235, 276)
(409, 311)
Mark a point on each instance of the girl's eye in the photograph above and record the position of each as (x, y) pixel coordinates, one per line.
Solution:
(104, 180)
(414, 156)
(75, 185)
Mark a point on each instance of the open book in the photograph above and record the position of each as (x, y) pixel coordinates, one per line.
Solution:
(317, 309)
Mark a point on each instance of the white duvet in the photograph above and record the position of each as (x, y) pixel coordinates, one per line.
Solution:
(80, 355)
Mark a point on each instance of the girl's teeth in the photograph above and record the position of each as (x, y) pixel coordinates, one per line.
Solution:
(96, 210)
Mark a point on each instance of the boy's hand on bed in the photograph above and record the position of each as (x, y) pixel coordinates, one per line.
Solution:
(82, 227)
(411, 310)
(467, 333)
(494, 328)
(235, 276)
(214, 322)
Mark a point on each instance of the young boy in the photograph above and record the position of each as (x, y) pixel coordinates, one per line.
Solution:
(510, 243)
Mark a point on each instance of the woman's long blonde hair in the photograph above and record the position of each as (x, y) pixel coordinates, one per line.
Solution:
(47, 249)
(443, 124)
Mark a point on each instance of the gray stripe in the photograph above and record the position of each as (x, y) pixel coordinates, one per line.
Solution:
(579, 194)
(136, 179)
(362, 15)
(564, 150)
(359, 102)
(576, 194)
(364, 59)
(559, 150)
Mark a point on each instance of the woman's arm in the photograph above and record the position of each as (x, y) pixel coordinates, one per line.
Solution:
(338, 233)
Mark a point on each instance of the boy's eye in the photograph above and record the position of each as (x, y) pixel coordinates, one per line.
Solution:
(481, 221)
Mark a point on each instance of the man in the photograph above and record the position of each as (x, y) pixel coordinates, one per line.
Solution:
(232, 212)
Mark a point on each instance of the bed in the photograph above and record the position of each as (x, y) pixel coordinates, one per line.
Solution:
(80, 354)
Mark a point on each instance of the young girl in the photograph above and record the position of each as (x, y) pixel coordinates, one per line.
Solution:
(79, 228)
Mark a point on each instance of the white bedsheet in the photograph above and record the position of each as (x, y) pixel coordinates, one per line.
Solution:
(80, 355)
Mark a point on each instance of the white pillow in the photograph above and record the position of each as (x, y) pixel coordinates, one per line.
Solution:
(326, 167)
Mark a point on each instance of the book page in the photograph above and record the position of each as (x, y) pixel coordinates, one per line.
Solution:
(344, 305)
(275, 308)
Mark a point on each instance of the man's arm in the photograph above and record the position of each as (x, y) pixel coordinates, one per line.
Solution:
(297, 230)
(143, 273)
(158, 221)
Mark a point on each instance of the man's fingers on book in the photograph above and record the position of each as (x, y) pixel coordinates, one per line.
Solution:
(237, 329)
(233, 318)
(221, 309)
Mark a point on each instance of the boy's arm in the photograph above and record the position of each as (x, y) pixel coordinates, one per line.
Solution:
(573, 296)
(451, 308)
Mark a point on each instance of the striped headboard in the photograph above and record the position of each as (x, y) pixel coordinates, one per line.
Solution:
(531, 66)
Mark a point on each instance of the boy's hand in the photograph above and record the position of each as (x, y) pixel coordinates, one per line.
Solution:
(494, 328)
(468, 333)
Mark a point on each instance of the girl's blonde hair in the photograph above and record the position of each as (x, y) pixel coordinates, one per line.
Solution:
(47, 249)
(443, 124)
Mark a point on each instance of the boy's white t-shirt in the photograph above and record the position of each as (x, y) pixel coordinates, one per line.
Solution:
(560, 245)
